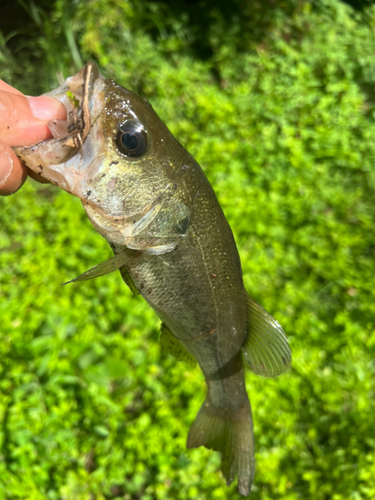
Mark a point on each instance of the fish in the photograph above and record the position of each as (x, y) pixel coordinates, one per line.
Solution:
(148, 197)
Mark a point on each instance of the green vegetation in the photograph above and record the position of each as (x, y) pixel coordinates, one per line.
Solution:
(276, 101)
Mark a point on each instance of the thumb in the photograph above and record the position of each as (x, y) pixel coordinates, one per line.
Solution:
(23, 120)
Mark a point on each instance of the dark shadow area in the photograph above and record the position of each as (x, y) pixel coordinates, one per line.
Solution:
(359, 4)
(211, 23)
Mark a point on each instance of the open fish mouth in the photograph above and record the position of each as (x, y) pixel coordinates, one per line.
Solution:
(75, 152)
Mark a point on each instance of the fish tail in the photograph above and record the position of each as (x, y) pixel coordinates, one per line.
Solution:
(229, 431)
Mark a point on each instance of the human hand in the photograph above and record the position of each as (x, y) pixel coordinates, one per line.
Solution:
(23, 122)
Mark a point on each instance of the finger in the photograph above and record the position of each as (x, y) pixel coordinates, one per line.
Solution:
(7, 88)
(12, 172)
(23, 121)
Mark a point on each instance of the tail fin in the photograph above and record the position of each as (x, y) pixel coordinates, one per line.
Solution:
(231, 433)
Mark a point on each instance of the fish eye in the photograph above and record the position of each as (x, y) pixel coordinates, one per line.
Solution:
(131, 139)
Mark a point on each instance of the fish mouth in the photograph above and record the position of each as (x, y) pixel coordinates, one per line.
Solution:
(71, 155)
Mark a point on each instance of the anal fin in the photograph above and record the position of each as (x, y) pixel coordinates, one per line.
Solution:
(173, 346)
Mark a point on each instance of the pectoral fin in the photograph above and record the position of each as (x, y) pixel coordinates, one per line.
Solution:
(173, 346)
(266, 349)
(106, 267)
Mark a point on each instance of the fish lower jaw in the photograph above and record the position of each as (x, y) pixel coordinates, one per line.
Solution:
(106, 226)
(66, 179)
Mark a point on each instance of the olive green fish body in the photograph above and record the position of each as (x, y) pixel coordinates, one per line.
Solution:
(152, 202)
(197, 289)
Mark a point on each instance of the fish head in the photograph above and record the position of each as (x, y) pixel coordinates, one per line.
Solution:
(116, 155)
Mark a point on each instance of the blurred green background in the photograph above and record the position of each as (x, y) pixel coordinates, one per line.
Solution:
(276, 100)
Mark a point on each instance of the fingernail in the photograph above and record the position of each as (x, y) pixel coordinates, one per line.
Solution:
(46, 108)
(6, 167)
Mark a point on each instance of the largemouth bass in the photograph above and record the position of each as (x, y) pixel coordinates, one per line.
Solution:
(152, 202)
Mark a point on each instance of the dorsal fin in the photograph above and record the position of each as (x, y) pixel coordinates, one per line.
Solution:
(266, 349)
(171, 345)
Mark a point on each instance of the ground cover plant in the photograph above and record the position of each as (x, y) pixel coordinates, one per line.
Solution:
(276, 102)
